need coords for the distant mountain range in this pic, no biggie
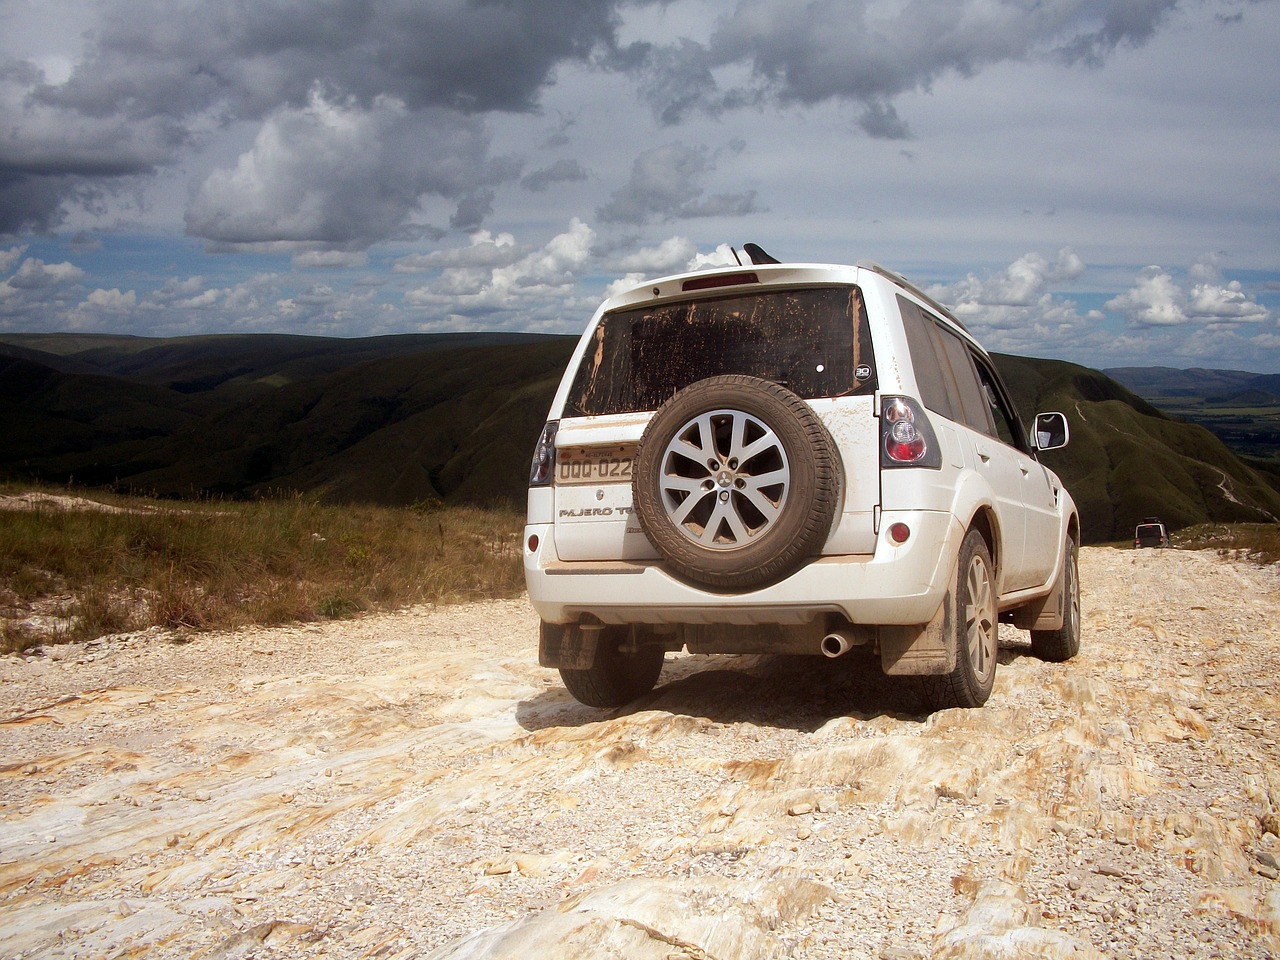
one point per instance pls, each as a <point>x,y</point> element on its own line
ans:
<point>1240,409</point>
<point>1217,387</point>
<point>453,417</point>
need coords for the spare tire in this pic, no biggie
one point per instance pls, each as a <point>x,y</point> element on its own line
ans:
<point>734,482</point>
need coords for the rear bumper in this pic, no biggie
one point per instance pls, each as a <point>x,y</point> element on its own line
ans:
<point>895,585</point>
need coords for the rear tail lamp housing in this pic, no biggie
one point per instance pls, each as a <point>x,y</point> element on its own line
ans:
<point>906,435</point>
<point>544,457</point>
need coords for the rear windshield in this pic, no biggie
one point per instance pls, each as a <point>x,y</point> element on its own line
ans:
<point>814,341</point>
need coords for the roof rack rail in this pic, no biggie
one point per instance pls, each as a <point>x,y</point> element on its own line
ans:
<point>907,284</point>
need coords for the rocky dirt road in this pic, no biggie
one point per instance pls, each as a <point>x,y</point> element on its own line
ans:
<point>414,785</point>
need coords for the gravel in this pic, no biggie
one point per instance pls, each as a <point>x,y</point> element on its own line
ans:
<point>414,785</point>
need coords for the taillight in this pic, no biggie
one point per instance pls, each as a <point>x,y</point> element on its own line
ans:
<point>544,457</point>
<point>906,436</point>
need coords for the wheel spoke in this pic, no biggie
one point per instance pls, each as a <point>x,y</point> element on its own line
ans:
<point>680,513</point>
<point>767,442</point>
<point>771,479</point>
<point>767,506</point>
<point>980,618</point>
<point>737,437</point>
<point>698,452</point>
<point>676,482</point>
<point>724,513</point>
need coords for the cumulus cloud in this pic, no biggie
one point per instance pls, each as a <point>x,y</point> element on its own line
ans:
<point>1154,300</point>
<point>673,255</point>
<point>38,287</point>
<point>549,271</point>
<point>484,251</point>
<point>665,184</point>
<point>37,275</point>
<point>10,257</point>
<point>1020,284</point>
<point>111,301</point>
<point>343,174</point>
<point>1225,303</point>
<point>721,256</point>
<point>670,256</point>
<point>1157,300</point>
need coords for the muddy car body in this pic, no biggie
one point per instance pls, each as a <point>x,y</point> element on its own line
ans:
<point>792,458</point>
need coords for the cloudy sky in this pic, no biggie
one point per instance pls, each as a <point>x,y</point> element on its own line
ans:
<point>1093,180</point>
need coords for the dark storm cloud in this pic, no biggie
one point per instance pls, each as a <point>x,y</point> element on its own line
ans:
<point>562,171</point>
<point>868,54</point>
<point>161,58</point>
<point>666,184</point>
<point>365,108</point>
<point>162,74</point>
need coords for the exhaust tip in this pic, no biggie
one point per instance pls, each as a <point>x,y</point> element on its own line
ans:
<point>836,645</point>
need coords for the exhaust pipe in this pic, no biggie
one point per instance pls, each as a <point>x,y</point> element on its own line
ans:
<point>837,643</point>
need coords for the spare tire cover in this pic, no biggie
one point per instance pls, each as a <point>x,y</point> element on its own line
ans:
<point>734,482</point>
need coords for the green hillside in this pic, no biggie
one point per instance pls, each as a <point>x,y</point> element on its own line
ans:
<point>399,420</point>
<point>452,418</point>
<point>1128,460</point>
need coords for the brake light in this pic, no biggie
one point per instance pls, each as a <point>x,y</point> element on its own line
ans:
<point>544,457</point>
<point>907,437</point>
<point>719,280</point>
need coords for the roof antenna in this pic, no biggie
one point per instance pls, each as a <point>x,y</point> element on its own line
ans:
<point>735,255</point>
<point>758,255</point>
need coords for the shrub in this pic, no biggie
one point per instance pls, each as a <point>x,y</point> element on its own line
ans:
<point>131,563</point>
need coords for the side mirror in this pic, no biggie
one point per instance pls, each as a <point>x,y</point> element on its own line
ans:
<point>1051,431</point>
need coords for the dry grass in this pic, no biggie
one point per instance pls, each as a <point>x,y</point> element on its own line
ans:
<point>1259,542</point>
<point>74,574</point>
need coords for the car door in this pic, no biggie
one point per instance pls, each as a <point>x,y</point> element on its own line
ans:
<point>1039,499</point>
<point>947,373</point>
<point>995,460</point>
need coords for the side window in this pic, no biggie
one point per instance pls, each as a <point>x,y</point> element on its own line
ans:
<point>933,374</point>
<point>1006,422</point>
<point>973,400</point>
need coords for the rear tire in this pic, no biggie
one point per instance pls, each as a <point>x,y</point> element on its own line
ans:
<point>616,677</point>
<point>735,483</point>
<point>976,623</point>
<point>1057,646</point>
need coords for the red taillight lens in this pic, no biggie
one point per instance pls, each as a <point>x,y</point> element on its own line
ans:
<point>903,443</point>
<point>544,457</point>
<point>899,533</point>
<point>907,437</point>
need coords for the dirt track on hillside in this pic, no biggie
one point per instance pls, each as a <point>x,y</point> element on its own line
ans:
<point>414,785</point>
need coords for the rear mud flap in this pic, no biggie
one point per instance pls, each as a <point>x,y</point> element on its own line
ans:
<point>922,649</point>
<point>567,646</point>
<point>1044,614</point>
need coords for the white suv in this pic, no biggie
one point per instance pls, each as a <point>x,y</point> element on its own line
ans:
<point>792,458</point>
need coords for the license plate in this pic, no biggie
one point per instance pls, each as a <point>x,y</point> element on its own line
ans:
<point>594,465</point>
